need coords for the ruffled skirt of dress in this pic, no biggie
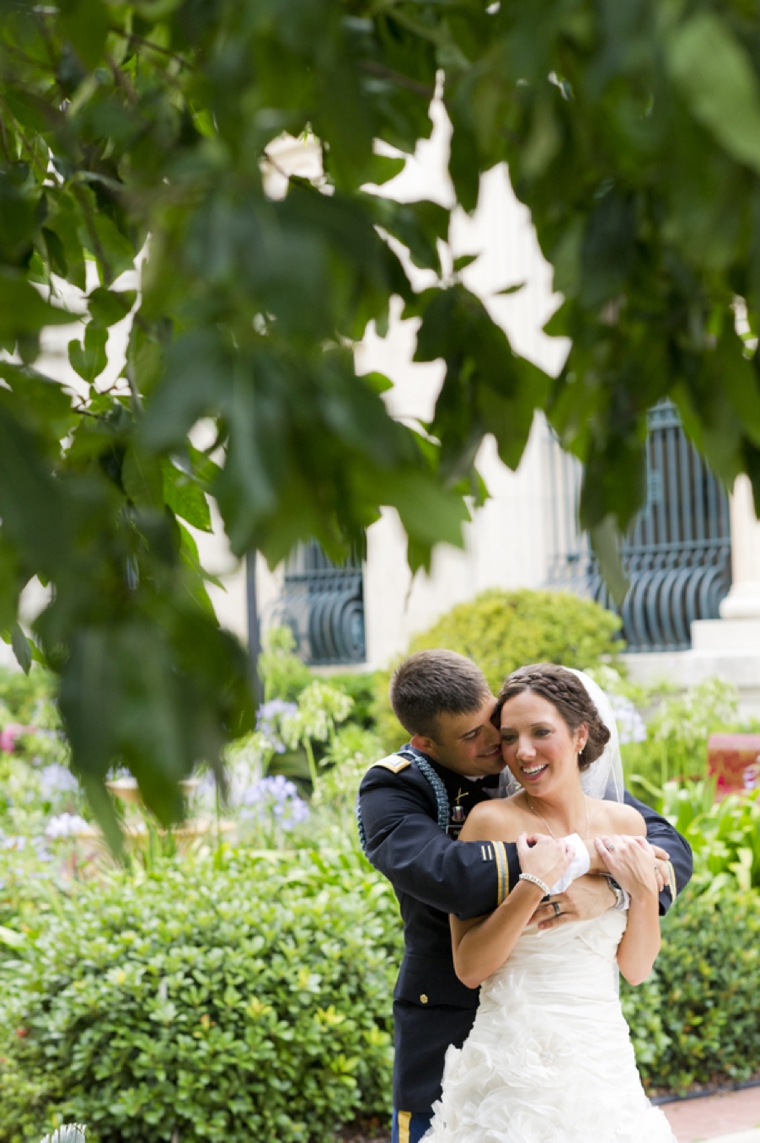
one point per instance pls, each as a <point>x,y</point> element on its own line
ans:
<point>549,1059</point>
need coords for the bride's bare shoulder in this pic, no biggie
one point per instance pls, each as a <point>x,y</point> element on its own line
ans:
<point>617,817</point>
<point>498,819</point>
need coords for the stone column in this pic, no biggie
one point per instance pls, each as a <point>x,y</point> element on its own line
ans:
<point>730,646</point>
<point>743,600</point>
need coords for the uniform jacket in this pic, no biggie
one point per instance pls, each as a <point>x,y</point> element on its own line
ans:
<point>402,825</point>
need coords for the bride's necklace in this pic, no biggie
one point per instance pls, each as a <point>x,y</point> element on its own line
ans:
<point>543,819</point>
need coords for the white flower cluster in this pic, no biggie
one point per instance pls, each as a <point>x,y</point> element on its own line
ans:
<point>630,724</point>
<point>65,825</point>
<point>320,708</point>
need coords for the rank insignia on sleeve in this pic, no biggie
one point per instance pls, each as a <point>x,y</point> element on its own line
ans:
<point>394,763</point>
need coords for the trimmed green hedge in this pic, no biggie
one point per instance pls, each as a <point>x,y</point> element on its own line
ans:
<point>696,1020</point>
<point>235,999</point>
<point>249,997</point>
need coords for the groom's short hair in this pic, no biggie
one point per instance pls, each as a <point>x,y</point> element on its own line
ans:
<point>435,682</point>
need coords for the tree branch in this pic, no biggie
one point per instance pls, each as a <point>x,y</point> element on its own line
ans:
<point>380,71</point>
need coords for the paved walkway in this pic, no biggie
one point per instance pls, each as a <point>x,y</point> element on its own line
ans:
<point>730,1118</point>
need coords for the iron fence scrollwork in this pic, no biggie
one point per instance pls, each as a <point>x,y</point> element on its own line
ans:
<point>323,604</point>
<point>677,554</point>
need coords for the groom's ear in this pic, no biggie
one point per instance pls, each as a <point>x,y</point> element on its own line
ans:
<point>423,744</point>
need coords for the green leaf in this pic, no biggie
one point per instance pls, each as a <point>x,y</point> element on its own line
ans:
<point>65,225</point>
<point>85,23</point>
<point>10,584</point>
<point>428,513</point>
<point>378,381</point>
<point>109,306</point>
<point>383,168</point>
<point>89,360</point>
<point>41,404</point>
<point>22,310</point>
<point>32,509</point>
<point>198,379</point>
<point>11,938</point>
<point>609,246</point>
<point>18,202</point>
<point>113,249</point>
<point>420,226</point>
<point>513,290</point>
<point>21,647</point>
<point>605,540</point>
<point>196,576</point>
<point>142,478</point>
<point>739,377</point>
<point>463,261</point>
<point>185,498</point>
<point>718,81</point>
<point>55,252</point>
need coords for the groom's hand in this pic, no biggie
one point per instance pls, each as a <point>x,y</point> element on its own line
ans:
<point>588,897</point>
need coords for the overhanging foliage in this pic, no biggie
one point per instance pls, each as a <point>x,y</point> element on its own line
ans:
<point>632,133</point>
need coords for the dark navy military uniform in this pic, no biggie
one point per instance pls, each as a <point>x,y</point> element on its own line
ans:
<point>411,810</point>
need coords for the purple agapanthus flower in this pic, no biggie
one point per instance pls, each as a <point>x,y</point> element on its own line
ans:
<point>270,714</point>
<point>275,796</point>
<point>57,779</point>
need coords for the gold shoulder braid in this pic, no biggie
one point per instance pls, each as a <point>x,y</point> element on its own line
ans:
<point>394,762</point>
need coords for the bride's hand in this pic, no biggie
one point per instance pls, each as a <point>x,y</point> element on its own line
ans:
<point>632,862</point>
<point>543,856</point>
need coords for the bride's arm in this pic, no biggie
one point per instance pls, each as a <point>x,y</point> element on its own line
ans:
<point>631,860</point>
<point>481,945</point>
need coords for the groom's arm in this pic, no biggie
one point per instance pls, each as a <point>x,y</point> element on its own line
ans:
<point>661,832</point>
<point>404,841</point>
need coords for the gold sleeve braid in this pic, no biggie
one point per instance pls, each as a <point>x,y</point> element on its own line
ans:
<point>502,872</point>
<point>672,885</point>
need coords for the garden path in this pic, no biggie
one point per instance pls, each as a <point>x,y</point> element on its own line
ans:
<point>733,1117</point>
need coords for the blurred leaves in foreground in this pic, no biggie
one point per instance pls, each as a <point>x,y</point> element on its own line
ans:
<point>140,131</point>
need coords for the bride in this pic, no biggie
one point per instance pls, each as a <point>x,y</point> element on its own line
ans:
<point>549,1058</point>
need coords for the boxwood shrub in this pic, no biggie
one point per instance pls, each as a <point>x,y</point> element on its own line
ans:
<point>237,998</point>
<point>248,997</point>
<point>696,1020</point>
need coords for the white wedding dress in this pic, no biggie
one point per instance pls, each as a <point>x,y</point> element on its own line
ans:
<point>549,1058</point>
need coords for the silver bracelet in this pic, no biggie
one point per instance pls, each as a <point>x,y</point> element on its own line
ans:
<point>535,881</point>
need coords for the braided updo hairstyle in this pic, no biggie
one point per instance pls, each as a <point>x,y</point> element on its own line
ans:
<point>567,694</point>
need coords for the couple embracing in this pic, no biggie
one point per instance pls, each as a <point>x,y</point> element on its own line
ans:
<point>527,878</point>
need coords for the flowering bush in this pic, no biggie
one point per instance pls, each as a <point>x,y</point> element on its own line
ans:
<point>274,807</point>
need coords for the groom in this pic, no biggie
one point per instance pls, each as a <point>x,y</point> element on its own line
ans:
<point>411,809</point>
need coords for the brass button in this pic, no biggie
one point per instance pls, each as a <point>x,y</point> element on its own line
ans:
<point>423,999</point>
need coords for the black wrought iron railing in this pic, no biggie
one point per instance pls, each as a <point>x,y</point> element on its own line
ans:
<point>677,554</point>
<point>323,604</point>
